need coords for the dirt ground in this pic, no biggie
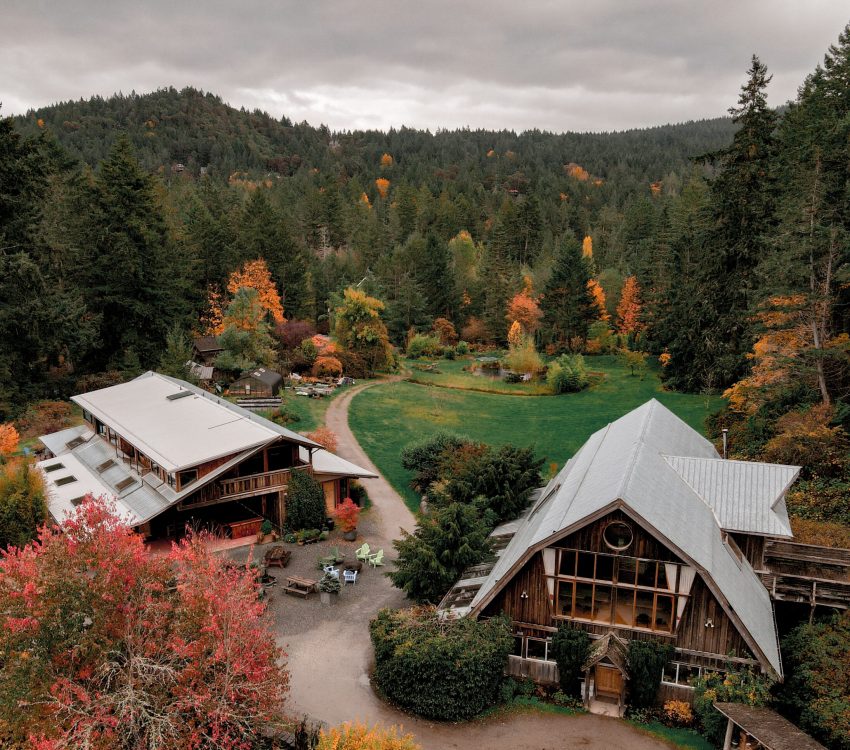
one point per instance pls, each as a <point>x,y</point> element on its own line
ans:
<point>329,654</point>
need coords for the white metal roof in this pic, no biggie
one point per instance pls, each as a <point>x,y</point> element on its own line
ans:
<point>181,432</point>
<point>325,462</point>
<point>85,482</point>
<point>624,465</point>
<point>744,495</point>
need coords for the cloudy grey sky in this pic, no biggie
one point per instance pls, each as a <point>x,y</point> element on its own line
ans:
<point>556,65</point>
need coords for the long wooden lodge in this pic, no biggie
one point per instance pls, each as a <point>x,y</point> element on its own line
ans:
<point>648,533</point>
<point>173,455</point>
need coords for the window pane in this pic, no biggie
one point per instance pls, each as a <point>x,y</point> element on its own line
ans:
<point>602,604</point>
<point>662,578</point>
<point>565,598</point>
<point>518,641</point>
<point>646,573</point>
<point>643,609</point>
<point>585,564</point>
<point>625,602</point>
<point>627,570</point>
<point>687,673</point>
<point>664,613</point>
<point>583,600</point>
<point>604,568</point>
<point>536,649</point>
<point>568,562</point>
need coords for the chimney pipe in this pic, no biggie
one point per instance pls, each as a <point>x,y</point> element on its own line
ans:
<point>725,432</point>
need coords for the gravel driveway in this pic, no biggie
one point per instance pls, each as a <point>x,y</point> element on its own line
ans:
<point>330,655</point>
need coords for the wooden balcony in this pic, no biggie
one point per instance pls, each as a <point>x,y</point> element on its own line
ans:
<point>806,573</point>
<point>255,484</point>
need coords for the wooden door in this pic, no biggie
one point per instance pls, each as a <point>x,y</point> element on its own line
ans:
<point>609,681</point>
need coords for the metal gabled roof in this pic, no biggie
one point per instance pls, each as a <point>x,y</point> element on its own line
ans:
<point>745,496</point>
<point>179,433</point>
<point>624,466</point>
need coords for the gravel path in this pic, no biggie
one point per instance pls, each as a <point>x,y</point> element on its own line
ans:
<point>330,655</point>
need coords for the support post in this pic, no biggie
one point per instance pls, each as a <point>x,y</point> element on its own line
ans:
<point>727,740</point>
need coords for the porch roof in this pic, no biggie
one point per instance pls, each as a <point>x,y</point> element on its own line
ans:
<point>771,730</point>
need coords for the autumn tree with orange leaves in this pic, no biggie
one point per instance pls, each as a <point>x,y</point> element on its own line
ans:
<point>8,440</point>
<point>523,309</point>
<point>629,310</point>
<point>383,186</point>
<point>598,294</point>
<point>254,274</point>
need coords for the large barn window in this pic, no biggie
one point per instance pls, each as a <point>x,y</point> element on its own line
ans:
<point>617,590</point>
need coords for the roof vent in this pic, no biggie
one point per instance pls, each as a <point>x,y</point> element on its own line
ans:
<point>179,394</point>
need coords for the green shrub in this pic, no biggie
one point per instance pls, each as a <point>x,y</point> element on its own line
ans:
<point>567,374</point>
<point>305,502</point>
<point>422,345</point>
<point>571,647</point>
<point>266,527</point>
<point>445,670</point>
<point>816,691</point>
<point>449,353</point>
<point>745,687</point>
<point>23,506</point>
<point>462,348</point>
<point>647,660</point>
<point>523,358</point>
<point>425,458</point>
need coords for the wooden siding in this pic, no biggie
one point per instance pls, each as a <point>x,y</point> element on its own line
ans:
<point>704,645</point>
<point>752,547</point>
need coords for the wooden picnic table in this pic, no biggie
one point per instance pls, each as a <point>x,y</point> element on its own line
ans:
<point>298,586</point>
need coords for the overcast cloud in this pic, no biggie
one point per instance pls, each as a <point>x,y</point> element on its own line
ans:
<point>592,65</point>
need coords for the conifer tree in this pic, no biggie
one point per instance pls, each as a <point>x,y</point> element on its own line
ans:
<point>568,305</point>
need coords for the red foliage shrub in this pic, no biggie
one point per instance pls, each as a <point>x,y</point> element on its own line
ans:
<point>475,331</point>
<point>106,645</point>
<point>291,333</point>
<point>324,437</point>
<point>347,513</point>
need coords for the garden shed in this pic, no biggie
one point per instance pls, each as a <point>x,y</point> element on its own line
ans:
<point>260,383</point>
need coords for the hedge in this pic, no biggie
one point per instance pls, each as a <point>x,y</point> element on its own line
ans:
<point>446,670</point>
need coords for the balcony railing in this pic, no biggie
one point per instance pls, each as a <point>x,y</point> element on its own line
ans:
<point>256,483</point>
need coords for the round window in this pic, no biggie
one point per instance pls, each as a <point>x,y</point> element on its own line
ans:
<point>617,535</point>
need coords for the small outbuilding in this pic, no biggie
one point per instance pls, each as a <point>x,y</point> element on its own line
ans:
<point>260,383</point>
<point>205,349</point>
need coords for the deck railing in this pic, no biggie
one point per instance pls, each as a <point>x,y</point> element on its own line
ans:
<point>256,483</point>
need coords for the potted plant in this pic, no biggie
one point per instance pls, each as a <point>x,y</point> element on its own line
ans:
<point>328,585</point>
<point>347,514</point>
<point>266,530</point>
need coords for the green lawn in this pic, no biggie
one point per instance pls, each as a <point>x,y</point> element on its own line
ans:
<point>687,739</point>
<point>388,417</point>
<point>452,375</point>
<point>310,411</point>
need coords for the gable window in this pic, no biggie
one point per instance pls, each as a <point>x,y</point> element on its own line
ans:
<point>618,536</point>
<point>617,590</point>
<point>187,477</point>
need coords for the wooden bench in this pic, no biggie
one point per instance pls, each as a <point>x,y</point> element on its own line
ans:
<point>300,586</point>
<point>277,555</point>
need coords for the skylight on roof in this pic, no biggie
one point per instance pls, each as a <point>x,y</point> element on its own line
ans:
<point>125,483</point>
<point>179,394</point>
<point>75,442</point>
<point>53,467</point>
<point>108,464</point>
<point>75,501</point>
<point>65,480</point>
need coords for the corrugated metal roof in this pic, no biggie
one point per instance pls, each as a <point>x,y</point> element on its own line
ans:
<point>624,465</point>
<point>57,442</point>
<point>184,432</point>
<point>742,494</point>
<point>325,462</point>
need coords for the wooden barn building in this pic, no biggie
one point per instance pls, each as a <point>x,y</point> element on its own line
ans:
<point>172,454</point>
<point>259,383</point>
<point>647,533</point>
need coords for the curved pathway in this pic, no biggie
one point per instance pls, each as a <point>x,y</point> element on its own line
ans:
<point>330,654</point>
<point>392,513</point>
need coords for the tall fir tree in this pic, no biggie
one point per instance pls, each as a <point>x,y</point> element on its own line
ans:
<point>568,305</point>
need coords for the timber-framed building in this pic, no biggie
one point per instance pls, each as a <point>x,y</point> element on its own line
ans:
<point>172,455</point>
<point>648,533</point>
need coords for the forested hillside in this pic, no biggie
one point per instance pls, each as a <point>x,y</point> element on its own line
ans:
<point>124,219</point>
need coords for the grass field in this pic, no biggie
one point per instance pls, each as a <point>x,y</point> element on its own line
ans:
<point>687,739</point>
<point>387,418</point>
<point>451,375</point>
